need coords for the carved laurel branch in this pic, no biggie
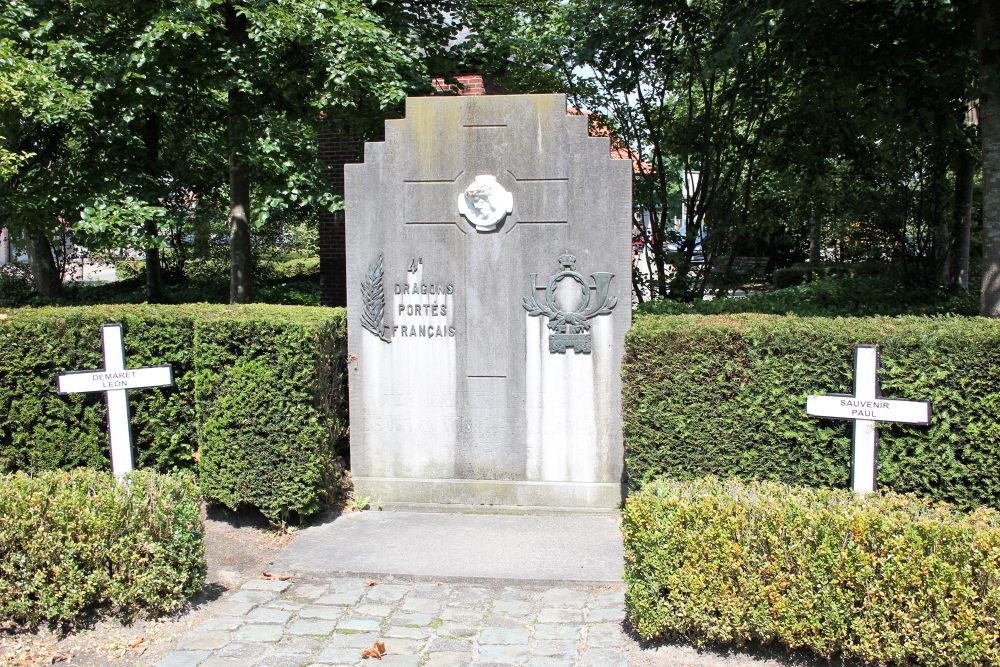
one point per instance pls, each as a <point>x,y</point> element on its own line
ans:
<point>373,299</point>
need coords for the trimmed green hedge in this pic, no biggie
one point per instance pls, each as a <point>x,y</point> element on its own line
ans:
<point>726,396</point>
<point>75,544</point>
<point>255,386</point>
<point>887,579</point>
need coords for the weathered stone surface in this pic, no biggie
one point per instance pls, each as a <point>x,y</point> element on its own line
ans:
<point>184,659</point>
<point>266,615</point>
<point>258,632</point>
<point>458,369</point>
<point>274,585</point>
<point>206,641</point>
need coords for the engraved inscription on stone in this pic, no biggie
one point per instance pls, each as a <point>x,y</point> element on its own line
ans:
<point>569,325</point>
<point>485,203</point>
<point>417,300</point>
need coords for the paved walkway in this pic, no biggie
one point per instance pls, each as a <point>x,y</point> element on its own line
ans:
<point>438,590</point>
<point>421,623</point>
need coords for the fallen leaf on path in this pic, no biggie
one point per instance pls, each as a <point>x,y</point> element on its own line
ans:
<point>135,642</point>
<point>277,577</point>
<point>59,657</point>
<point>376,651</point>
<point>373,582</point>
<point>139,650</point>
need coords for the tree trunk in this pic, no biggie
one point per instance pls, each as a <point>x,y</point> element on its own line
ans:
<point>989,127</point>
<point>940,225</point>
<point>154,274</point>
<point>44,273</point>
<point>240,279</point>
<point>202,234</point>
<point>241,259</point>
<point>815,235</point>
<point>961,235</point>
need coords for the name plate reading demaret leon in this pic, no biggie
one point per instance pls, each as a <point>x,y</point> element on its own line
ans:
<point>88,381</point>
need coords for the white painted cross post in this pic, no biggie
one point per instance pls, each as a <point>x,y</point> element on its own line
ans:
<point>115,380</point>
<point>866,407</point>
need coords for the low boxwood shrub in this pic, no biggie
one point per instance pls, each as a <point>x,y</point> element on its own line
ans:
<point>299,409</point>
<point>726,396</point>
<point>82,543</point>
<point>886,578</point>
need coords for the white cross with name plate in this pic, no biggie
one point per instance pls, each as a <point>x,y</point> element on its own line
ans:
<point>866,407</point>
<point>115,380</point>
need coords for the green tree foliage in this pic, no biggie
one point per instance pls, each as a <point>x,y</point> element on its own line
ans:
<point>133,113</point>
<point>837,125</point>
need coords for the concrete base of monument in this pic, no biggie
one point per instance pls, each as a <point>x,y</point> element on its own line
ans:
<point>491,493</point>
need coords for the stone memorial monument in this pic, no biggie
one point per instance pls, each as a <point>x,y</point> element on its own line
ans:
<point>489,279</point>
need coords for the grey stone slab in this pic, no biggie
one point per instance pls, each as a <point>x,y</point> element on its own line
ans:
<point>284,605</point>
<point>551,661</point>
<point>307,592</point>
<point>565,598</point>
<point>358,625</point>
<point>463,614</point>
<point>358,640</point>
<point>605,615</point>
<point>560,616</point>
<point>578,547</point>
<point>449,645</point>
<point>220,623</point>
<point>510,621</point>
<point>272,585</point>
<point>339,655</point>
<point>407,632</point>
<point>387,593</point>
<point>547,631</point>
<point>512,607</point>
<point>450,629</point>
<point>609,600</point>
<point>222,661</point>
<point>504,654</point>
<point>605,635</point>
<point>400,646</point>
<point>411,619</point>
<point>400,661</point>
<point>253,596</point>
<point>339,599</point>
<point>205,641</point>
<point>493,635</point>
<point>258,632</point>
<point>230,608</point>
<point>553,647</point>
<point>325,613</point>
<point>372,609</point>
<point>600,657</point>
<point>184,658</point>
<point>422,605</point>
<point>448,659</point>
<point>266,615</point>
<point>312,626</point>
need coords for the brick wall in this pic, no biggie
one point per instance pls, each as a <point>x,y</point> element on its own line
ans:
<point>335,150</point>
<point>472,84</point>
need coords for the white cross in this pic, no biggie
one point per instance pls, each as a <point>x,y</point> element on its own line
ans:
<point>115,380</point>
<point>866,407</point>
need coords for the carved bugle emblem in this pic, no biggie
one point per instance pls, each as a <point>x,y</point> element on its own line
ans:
<point>571,328</point>
<point>373,301</point>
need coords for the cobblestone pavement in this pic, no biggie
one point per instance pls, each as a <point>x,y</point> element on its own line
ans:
<point>426,624</point>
